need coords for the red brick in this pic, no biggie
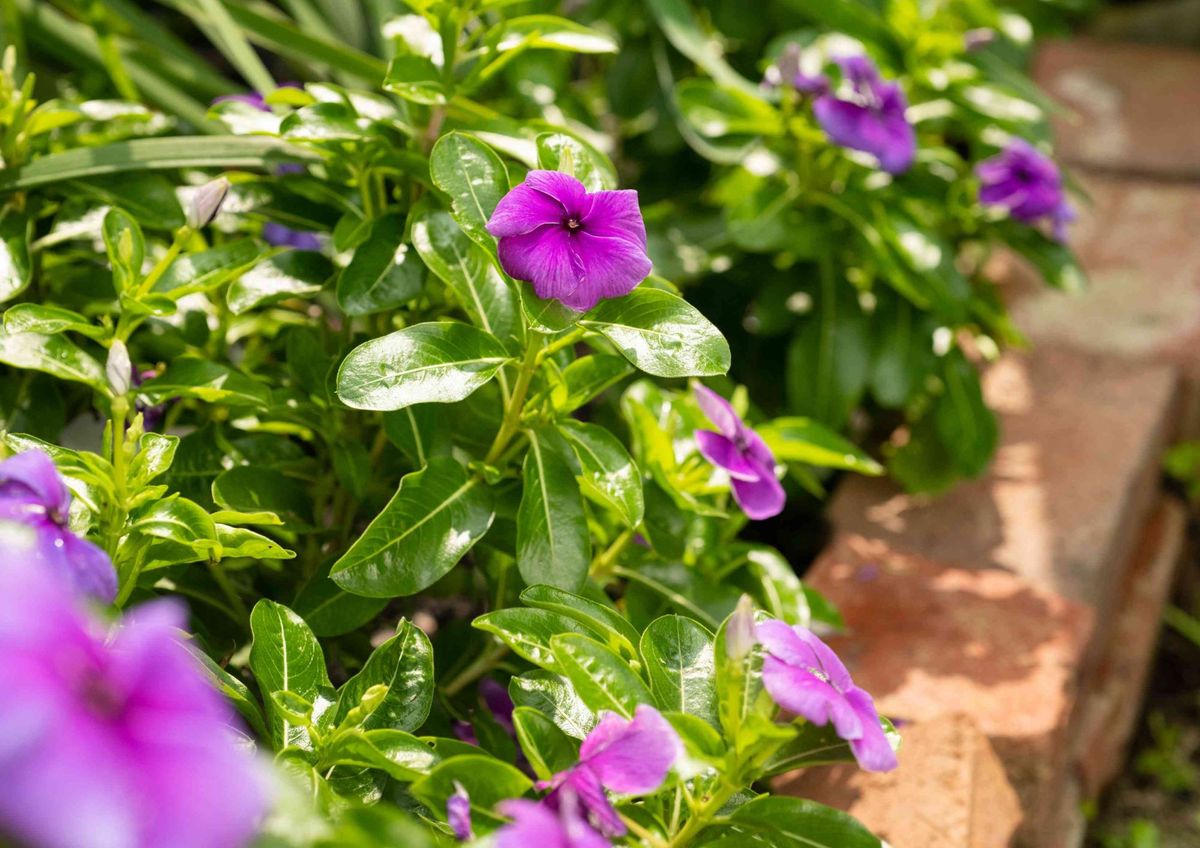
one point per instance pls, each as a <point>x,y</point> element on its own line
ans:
<point>930,640</point>
<point>950,790</point>
<point>1068,492</point>
<point>1130,108</point>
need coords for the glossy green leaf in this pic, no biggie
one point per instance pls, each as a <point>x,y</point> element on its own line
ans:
<point>555,33</point>
<point>54,355</point>
<point>48,320</point>
<point>155,454</point>
<point>249,488</point>
<point>147,197</point>
<point>553,543</point>
<point>602,679</point>
<point>585,378</point>
<point>547,748</point>
<point>661,334</point>
<point>401,755</point>
<point>439,362</point>
<point>244,542</point>
<point>681,28</point>
<point>608,475</point>
<point>404,664</point>
<point>284,655</point>
<point>416,79</point>
<point>208,381</point>
<point>603,621</point>
<point>527,632</point>
<point>474,177</point>
<point>435,517</point>
<point>588,165</point>
<point>805,440</point>
<point>177,519</point>
<point>209,268</point>
<point>237,692</point>
<point>552,696</point>
<point>126,247</point>
<point>488,781</point>
<point>292,273</point>
<point>679,660</point>
<point>967,426</point>
<point>800,823</point>
<point>322,122</point>
<point>384,273</point>
<point>16,267</point>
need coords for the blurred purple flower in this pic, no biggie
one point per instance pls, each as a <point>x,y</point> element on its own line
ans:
<point>871,118</point>
<point>573,246</point>
<point>113,740</point>
<point>804,676</point>
<point>254,98</point>
<point>281,236</point>
<point>787,71</point>
<point>152,413</point>
<point>626,756</point>
<point>741,452</point>
<point>32,493</point>
<point>1028,184</point>
<point>537,825</point>
<point>458,813</point>
<point>498,703</point>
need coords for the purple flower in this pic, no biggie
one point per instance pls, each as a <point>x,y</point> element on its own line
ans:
<point>537,825</point>
<point>626,756</point>
<point>572,246</point>
<point>458,813</point>
<point>805,677</point>
<point>742,453</point>
<point>870,118</point>
<point>32,493</point>
<point>254,98</point>
<point>498,703</point>
<point>153,414</point>
<point>281,236</point>
<point>113,740</point>
<point>787,70</point>
<point>1026,183</point>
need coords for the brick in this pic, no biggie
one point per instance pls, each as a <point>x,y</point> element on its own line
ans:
<point>1113,697</point>
<point>929,640</point>
<point>1072,483</point>
<point>1131,108</point>
<point>950,790</point>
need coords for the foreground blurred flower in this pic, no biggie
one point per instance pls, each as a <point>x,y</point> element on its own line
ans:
<point>458,813</point>
<point>32,493</point>
<point>536,825</point>
<point>869,117</point>
<point>788,71</point>
<point>741,452</point>
<point>573,246</point>
<point>804,676</point>
<point>113,741</point>
<point>1026,183</point>
<point>626,756</point>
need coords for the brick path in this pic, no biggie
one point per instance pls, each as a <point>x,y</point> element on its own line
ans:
<point>1011,623</point>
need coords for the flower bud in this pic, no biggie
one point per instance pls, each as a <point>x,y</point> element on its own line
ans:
<point>118,369</point>
<point>740,637</point>
<point>977,39</point>
<point>458,813</point>
<point>206,203</point>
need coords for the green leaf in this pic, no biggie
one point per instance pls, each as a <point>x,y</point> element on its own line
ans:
<point>474,177</point>
<point>401,755</point>
<point>716,112</point>
<point>588,165</point>
<point>967,426</point>
<point>404,664</point>
<point>148,197</point>
<point>191,377</point>
<point>661,334</point>
<point>740,693</point>
<point>252,488</point>
<point>678,654</point>
<point>602,679</point>
<point>603,621</point>
<point>587,377</point>
<point>681,28</point>
<point>435,517</point>
<point>555,33</point>
<point>243,542</point>
<point>284,655</point>
<point>547,748</point>
<point>126,247</point>
<point>527,632</point>
<point>800,823</point>
<point>384,273</point>
<point>281,36</point>
<point>209,268</point>
<point>48,320</point>
<point>805,440</point>
<point>322,122</point>
<point>828,360</point>
<point>53,355</point>
<point>439,362</point>
<point>609,476</point>
<point>553,696</point>
<point>818,745</point>
<point>488,781</point>
<point>292,273</point>
<point>154,457</point>
<point>178,520</point>
<point>16,268</point>
<point>553,543</point>
<point>417,431</point>
<point>237,692</point>
<point>416,79</point>
<point>469,272</point>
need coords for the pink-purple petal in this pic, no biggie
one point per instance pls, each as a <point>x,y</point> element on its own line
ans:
<point>33,473</point>
<point>616,214</point>
<point>544,258</point>
<point>719,411</point>
<point>523,210</point>
<point>564,188</point>
<point>871,749</point>
<point>632,757</point>
<point>612,267</point>
<point>723,453</point>
<point>85,564</point>
<point>760,499</point>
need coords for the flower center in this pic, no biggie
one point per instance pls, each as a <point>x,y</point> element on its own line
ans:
<point>823,676</point>
<point>574,224</point>
<point>100,696</point>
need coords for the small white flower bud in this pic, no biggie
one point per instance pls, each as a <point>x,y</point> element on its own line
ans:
<point>740,637</point>
<point>118,369</point>
<point>206,203</point>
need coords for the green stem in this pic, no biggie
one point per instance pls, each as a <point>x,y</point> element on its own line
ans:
<point>696,823</point>
<point>160,268</point>
<point>602,564</point>
<point>559,343</point>
<point>481,665</point>
<point>512,413</point>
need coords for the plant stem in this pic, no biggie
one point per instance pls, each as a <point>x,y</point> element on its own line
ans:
<point>512,413</point>
<point>160,268</point>
<point>559,343</point>
<point>480,666</point>
<point>702,817</point>
<point>602,565</point>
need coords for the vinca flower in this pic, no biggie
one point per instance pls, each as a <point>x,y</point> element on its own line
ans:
<point>743,454</point>
<point>458,813</point>
<point>626,756</point>
<point>113,740</point>
<point>32,493</point>
<point>870,116</point>
<point>537,825</point>
<point>573,246</point>
<point>1026,183</point>
<point>804,676</point>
